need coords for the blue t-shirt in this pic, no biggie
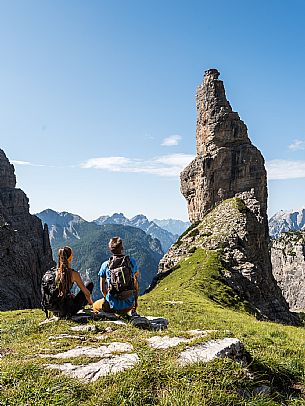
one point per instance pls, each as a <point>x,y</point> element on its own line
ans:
<point>117,304</point>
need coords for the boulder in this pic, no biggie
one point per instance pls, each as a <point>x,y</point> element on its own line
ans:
<point>91,372</point>
<point>205,352</point>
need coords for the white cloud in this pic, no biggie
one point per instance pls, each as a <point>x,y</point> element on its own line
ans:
<point>112,163</point>
<point>282,169</point>
<point>21,162</point>
<point>164,165</point>
<point>297,145</point>
<point>171,140</point>
<point>24,163</point>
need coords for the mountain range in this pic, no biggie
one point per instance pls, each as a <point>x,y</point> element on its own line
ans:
<point>89,241</point>
<point>167,238</point>
<point>288,220</point>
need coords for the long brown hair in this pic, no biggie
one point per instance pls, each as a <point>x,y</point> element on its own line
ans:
<point>63,272</point>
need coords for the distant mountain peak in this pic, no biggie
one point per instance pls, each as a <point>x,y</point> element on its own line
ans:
<point>287,220</point>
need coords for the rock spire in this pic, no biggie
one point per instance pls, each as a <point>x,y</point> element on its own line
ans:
<point>227,164</point>
<point>226,190</point>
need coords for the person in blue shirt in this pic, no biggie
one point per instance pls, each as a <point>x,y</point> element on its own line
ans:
<point>110,302</point>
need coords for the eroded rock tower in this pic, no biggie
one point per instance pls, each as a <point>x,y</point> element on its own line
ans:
<point>226,190</point>
<point>227,164</point>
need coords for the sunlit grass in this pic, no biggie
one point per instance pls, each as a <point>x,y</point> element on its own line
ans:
<point>192,297</point>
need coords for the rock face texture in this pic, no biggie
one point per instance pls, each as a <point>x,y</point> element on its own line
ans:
<point>288,266</point>
<point>232,230</point>
<point>226,191</point>
<point>227,164</point>
<point>25,252</point>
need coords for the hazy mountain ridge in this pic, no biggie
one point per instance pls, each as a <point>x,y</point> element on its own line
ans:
<point>287,220</point>
<point>150,227</point>
<point>172,225</point>
<point>90,244</point>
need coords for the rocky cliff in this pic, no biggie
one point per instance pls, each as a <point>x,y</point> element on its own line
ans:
<point>288,266</point>
<point>232,230</point>
<point>226,191</point>
<point>25,252</point>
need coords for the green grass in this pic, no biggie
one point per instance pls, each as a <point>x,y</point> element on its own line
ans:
<point>276,352</point>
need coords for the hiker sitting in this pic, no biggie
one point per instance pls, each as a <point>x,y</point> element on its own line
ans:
<point>118,281</point>
<point>58,298</point>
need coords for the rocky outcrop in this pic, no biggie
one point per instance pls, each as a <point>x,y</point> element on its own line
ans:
<point>233,231</point>
<point>227,164</point>
<point>226,191</point>
<point>288,266</point>
<point>25,252</point>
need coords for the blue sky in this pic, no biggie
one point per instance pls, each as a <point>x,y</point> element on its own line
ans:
<point>97,98</point>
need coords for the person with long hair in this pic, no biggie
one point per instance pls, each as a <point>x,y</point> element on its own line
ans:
<point>65,277</point>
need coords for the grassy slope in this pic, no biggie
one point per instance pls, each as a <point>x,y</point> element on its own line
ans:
<point>277,352</point>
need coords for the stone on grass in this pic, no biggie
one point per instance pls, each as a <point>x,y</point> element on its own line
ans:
<point>166,342</point>
<point>91,372</point>
<point>205,352</point>
<point>68,336</point>
<point>200,333</point>
<point>50,320</point>
<point>101,351</point>
<point>84,328</point>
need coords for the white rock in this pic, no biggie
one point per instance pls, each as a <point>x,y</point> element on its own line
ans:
<point>166,341</point>
<point>200,332</point>
<point>101,351</point>
<point>84,328</point>
<point>205,352</point>
<point>69,336</point>
<point>91,372</point>
<point>50,320</point>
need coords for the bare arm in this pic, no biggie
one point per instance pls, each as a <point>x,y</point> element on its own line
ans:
<point>78,280</point>
<point>136,283</point>
<point>103,286</point>
<point>136,289</point>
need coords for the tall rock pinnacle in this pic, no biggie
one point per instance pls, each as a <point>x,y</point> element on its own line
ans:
<point>227,164</point>
<point>228,175</point>
<point>25,252</point>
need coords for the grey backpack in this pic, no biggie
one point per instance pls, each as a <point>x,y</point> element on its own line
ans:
<point>121,279</point>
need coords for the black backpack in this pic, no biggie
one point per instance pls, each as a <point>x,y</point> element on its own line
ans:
<point>121,284</point>
<point>50,299</point>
